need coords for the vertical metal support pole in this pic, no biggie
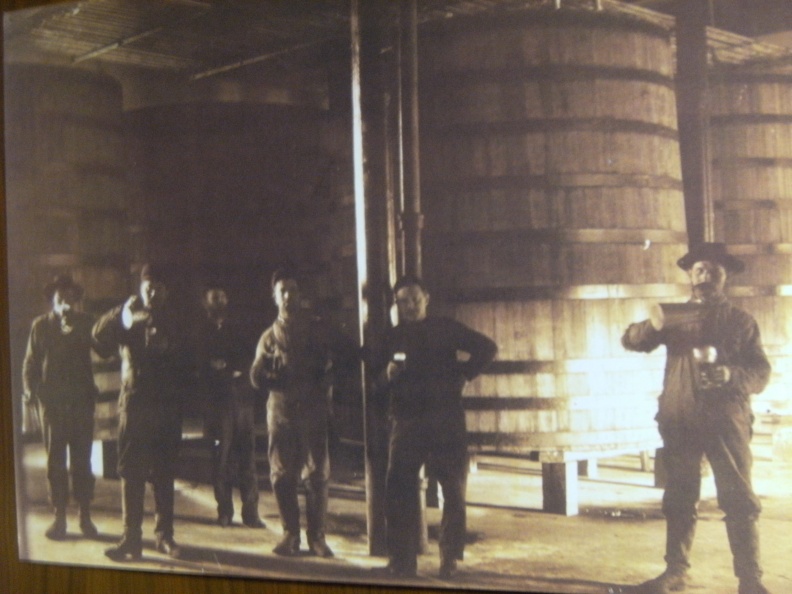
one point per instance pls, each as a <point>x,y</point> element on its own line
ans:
<point>411,216</point>
<point>368,167</point>
<point>692,86</point>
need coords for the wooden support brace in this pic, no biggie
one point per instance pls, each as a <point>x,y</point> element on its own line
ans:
<point>560,488</point>
<point>646,461</point>
<point>660,473</point>
<point>588,468</point>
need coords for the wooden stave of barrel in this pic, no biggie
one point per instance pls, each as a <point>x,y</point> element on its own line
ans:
<point>751,171</point>
<point>518,176</point>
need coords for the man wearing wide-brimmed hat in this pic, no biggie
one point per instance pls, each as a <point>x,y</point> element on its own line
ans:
<point>715,362</point>
<point>155,368</point>
<point>57,375</point>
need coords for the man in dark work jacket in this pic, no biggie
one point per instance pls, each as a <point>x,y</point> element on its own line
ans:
<point>706,410</point>
<point>154,370</point>
<point>223,364</point>
<point>58,377</point>
<point>418,366</point>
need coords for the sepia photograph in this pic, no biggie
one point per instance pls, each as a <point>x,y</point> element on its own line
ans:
<point>436,295</point>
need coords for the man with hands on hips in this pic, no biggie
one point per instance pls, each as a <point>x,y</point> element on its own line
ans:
<point>419,368</point>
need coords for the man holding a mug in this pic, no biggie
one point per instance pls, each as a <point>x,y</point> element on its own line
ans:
<point>420,367</point>
<point>715,362</point>
<point>295,363</point>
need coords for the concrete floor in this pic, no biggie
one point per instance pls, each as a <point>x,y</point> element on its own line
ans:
<point>615,542</point>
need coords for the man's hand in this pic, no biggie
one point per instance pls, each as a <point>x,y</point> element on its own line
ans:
<point>715,376</point>
<point>133,314</point>
<point>394,370</point>
<point>217,364</point>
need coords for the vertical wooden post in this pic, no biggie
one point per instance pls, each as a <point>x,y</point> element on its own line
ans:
<point>410,217</point>
<point>369,170</point>
<point>560,488</point>
<point>691,41</point>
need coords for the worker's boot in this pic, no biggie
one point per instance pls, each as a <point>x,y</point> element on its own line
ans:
<point>286,498</point>
<point>673,579</point>
<point>57,530</point>
<point>130,547</point>
<point>87,527</point>
<point>744,542</point>
<point>752,585</point>
<point>316,513</point>
<point>679,542</point>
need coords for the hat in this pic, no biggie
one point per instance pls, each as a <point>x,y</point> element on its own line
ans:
<point>62,282</point>
<point>152,272</point>
<point>712,252</point>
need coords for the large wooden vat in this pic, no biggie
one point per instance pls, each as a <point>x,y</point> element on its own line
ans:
<point>751,148</point>
<point>68,195</point>
<point>554,213</point>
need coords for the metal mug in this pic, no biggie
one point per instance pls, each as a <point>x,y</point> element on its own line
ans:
<point>705,358</point>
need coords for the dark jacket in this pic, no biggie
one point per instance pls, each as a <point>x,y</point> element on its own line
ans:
<point>57,367</point>
<point>433,375</point>
<point>735,335</point>
<point>223,358</point>
<point>155,364</point>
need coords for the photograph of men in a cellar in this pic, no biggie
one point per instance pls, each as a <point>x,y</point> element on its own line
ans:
<point>539,165</point>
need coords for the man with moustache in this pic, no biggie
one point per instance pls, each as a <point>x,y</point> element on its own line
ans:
<point>58,377</point>
<point>295,361</point>
<point>420,368</point>
<point>154,371</point>
<point>223,366</point>
<point>705,409</point>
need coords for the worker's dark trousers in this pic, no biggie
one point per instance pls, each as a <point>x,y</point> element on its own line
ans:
<point>234,454</point>
<point>297,452</point>
<point>723,434</point>
<point>69,428</point>
<point>439,441</point>
<point>148,445</point>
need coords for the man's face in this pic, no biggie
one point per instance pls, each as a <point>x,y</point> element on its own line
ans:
<point>153,293</point>
<point>412,301</point>
<point>64,302</point>
<point>707,279</point>
<point>286,294</point>
<point>216,302</point>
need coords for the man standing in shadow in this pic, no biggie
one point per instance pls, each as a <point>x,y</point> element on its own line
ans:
<point>58,377</point>
<point>155,370</point>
